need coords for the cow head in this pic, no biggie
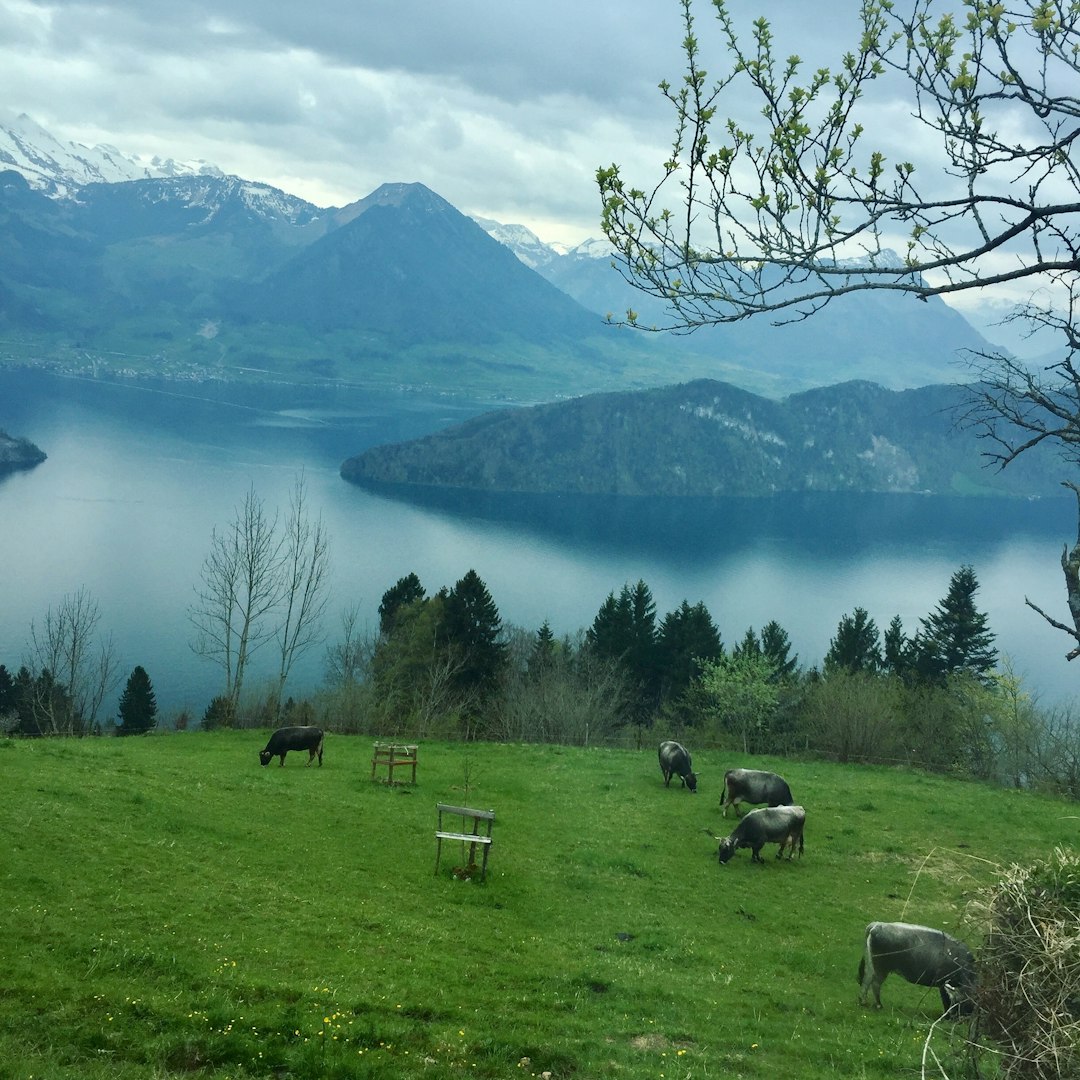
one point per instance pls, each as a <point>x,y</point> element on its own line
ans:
<point>726,849</point>
<point>690,779</point>
<point>264,757</point>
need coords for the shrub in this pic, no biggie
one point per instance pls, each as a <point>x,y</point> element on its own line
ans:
<point>1029,969</point>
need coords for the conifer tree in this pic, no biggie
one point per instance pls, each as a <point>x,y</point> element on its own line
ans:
<point>543,650</point>
<point>138,705</point>
<point>776,648</point>
<point>857,645</point>
<point>404,591</point>
<point>956,636</point>
<point>898,652</point>
<point>472,627</point>
<point>686,637</point>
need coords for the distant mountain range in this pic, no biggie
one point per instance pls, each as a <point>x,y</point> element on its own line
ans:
<point>153,266</point>
<point>708,438</point>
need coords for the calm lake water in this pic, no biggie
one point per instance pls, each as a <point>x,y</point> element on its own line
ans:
<point>138,476</point>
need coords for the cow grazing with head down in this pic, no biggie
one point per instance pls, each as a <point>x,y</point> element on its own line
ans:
<point>754,786</point>
<point>923,956</point>
<point>781,825</point>
<point>675,760</point>
<point>293,738</point>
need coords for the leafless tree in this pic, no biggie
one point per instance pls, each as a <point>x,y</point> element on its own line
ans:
<point>241,587</point>
<point>305,569</point>
<point>82,666</point>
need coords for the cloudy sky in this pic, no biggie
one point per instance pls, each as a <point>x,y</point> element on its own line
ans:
<point>504,109</point>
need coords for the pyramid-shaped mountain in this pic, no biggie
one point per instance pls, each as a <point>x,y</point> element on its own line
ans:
<point>405,263</point>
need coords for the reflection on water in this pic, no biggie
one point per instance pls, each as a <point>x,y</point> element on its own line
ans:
<point>138,477</point>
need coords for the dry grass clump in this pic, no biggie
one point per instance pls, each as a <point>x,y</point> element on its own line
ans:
<point>1029,969</point>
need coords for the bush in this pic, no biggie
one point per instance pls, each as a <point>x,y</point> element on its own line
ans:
<point>1029,969</point>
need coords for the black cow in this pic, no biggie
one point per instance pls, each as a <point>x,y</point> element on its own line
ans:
<point>781,825</point>
<point>923,956</point>
<point>675,759</point>
<point>754,786</point>
<point>293,738</point>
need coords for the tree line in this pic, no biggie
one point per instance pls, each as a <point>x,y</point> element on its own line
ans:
<point>446,665</point>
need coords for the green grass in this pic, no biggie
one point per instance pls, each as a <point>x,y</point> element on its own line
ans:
<point>173,910</point>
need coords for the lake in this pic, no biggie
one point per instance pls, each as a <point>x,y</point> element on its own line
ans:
<point>138,475</point>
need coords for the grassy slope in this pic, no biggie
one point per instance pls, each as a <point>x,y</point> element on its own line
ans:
<point>174,910</point>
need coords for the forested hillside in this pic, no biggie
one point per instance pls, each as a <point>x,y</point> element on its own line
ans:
<point>708,438</point>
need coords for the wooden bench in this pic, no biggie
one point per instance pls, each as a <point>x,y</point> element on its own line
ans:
<point>392,756</point>
<point>479,819</point>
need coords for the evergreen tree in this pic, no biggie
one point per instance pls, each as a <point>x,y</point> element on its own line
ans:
<point>624,630</point>
<point>956,637</point>
<point>686,637</point>
<point>8,700</point>
<point>472,628</point>
<point>899,650</point>
<point>405,591</point>
<point>543,650</point>
<point>776,648</point>
<point>749,648</point>
<point>611,633</point>
<point>857,645</point>
<point>138,705</point>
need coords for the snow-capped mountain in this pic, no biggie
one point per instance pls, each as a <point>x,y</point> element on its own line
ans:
<point>534,252</point>
<point>58,168</point>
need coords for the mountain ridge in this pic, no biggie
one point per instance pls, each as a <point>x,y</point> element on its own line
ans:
<point>199,273</point>
<point>707,438</point>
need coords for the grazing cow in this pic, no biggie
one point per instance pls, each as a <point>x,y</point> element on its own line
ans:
<point>675,758</point>
<point>754,786</point>
<point>781,825</point>
<point>921,955</point>
<point>293,738</point>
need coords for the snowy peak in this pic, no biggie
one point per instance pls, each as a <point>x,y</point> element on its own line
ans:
<point>60,168</point>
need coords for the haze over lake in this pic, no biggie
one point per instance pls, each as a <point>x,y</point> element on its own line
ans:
<point>138,475</point>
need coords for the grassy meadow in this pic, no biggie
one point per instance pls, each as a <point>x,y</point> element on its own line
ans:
<point>171,909</point>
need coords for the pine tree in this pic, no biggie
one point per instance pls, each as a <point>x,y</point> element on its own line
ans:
<point>686,637</point>
<point>404,591</point>
<point>138,706</point>
<point>776,648</point>
<point>624,630</point>
<point>543,650</point>
<point>956,637</point>
<point>8,700</point>
<point>472,627</point>
<point>857,645</point>
<point>899,650</point>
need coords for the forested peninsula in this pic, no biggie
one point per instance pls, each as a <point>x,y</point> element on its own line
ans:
<point>18,454</point>
<point>710,438</point>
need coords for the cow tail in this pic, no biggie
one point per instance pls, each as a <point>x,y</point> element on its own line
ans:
<point>862,969</point>
<point>800,845</point>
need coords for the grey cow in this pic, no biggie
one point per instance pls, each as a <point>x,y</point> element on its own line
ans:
<point>754,786</point>
<point>293,738</point>
<point>675,761</point>
<point>781,825</point>
<point>922,955</point>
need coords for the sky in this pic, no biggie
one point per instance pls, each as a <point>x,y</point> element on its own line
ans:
<point>504,109</point>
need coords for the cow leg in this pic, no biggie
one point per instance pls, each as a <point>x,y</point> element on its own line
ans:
<point>283,757</point>
<point>869,978</point>
<point>756,856</point>
<point>310,758</point>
